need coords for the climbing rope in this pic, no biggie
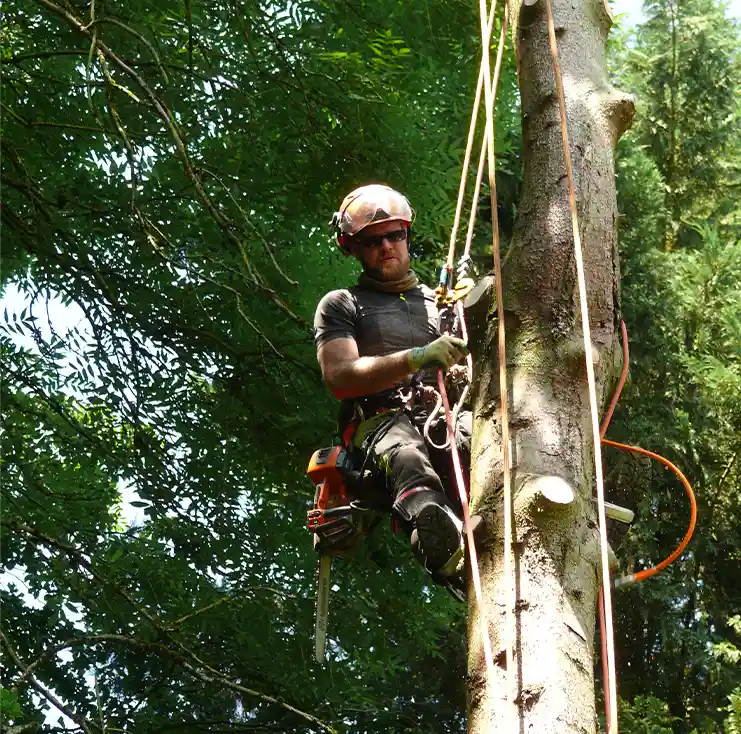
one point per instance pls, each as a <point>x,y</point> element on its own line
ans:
<point>611,692</point>
<point>508,570</point>
<point>484,144</point>
<point>470,140</point>
<point>487,150</point>
<point>467,155</point>
<point>445,277</point>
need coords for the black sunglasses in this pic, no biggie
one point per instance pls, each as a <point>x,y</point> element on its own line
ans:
<point>370,242</point>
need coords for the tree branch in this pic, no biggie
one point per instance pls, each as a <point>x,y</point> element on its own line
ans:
<point>166,116</point>
<point>136,34</point>
<point>20,58</point>
<point>81,721</point>
<point>208,675</point>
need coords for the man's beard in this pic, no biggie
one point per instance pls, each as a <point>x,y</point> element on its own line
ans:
<point>377,273</point>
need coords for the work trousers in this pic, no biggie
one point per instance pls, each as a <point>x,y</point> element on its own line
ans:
<point>399,457</point>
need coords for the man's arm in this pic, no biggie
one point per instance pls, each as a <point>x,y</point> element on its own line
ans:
<point>350,376</point>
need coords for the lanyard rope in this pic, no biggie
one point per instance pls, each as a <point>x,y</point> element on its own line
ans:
<point>509,581</point>
<point>472,555</point>
<point>484,81</point>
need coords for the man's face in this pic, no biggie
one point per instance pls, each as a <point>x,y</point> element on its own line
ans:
<point>381,257</point>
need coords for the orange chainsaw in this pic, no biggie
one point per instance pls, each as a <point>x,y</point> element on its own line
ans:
<point>337,520</point>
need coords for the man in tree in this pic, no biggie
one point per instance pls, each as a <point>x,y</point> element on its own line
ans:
<point>378,344</point>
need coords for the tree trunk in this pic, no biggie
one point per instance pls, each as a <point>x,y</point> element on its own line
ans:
<point>557,565</point>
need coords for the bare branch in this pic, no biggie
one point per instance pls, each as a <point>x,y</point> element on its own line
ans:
<point>138,35</point>
<point>179,622</point>
<point>206,675</point>
<point>81,721</point>
<point>20,58</point>
<point>130,155</point>
<point>226,226</point>
<point>249,222</point>
<point>63,125</point>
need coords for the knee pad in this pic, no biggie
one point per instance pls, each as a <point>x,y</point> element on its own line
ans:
<point>409,503</point>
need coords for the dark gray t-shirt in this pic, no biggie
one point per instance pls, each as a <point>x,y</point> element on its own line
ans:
<point>380,323</point>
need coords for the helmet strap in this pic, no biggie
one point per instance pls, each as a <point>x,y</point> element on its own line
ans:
<point>343,243</point>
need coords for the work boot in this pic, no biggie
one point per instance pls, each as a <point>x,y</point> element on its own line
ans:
<point>436,537</point>
<point>457,583</point>
<point>437,540</point>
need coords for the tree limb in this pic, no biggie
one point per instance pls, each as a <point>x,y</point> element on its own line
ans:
<point>207,675</point>
<point>81,721</point>
<point>166,116</point>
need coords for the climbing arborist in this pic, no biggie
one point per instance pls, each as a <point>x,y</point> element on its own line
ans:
<point>379,346</point>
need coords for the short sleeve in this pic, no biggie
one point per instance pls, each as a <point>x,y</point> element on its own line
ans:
<point>335,317</point>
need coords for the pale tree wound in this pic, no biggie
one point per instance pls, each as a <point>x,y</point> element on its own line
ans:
<point>557,558</point>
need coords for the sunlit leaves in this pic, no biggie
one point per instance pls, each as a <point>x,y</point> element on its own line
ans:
<point>155,452</point>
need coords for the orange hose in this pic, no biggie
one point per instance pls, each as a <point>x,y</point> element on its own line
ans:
<point>621,382</point>
<point>647,573</point>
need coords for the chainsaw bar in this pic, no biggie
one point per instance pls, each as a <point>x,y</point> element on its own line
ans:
<point>322,607</point>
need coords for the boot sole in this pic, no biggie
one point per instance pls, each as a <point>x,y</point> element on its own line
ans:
<point>439,540</point>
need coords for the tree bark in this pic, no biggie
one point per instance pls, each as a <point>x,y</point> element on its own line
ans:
<point>557,564</point>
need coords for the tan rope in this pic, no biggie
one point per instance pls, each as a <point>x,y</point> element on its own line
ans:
<point>510,592</point>
<point>473,556</point>
<point>484,143</point>
<point>476,191</point>
<point>612,724</point>
<point>490,88</point>
<point>467,157</point>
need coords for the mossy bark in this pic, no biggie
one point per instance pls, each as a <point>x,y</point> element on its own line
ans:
<point>557,566</point>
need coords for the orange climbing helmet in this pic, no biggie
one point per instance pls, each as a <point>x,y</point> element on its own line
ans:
<point>369,205</point>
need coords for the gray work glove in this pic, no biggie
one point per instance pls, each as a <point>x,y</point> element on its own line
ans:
<point>444,352</point>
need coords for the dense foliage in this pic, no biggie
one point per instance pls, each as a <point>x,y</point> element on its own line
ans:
<point>168,170</point>
<point>679,172</point>
<point>172,187</point>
